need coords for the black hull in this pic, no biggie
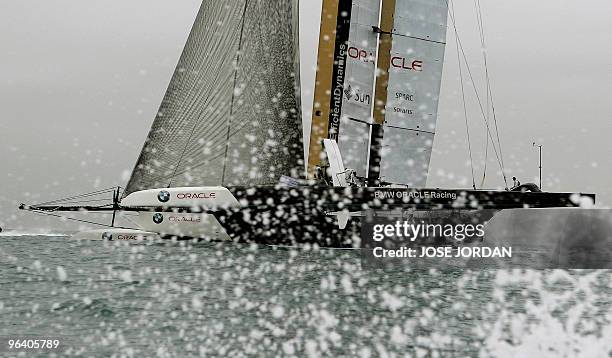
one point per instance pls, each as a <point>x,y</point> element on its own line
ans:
<point>299,216</point>
<point>383,198</point>
<point>308,214</point>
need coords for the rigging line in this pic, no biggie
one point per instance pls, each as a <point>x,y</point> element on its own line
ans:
<point>86,201</point>
<point>82,201</point>
<point>490,91</point>
<point>497,131</point>
<point>95,193</point>
<point>490,100</point>
<point>486,161</point>
<point>99,192</point>
<point>467,126</point>
<point>57,208</point>
<point>483,50</point>
<point>123,214</point>
<point>480,23</point>
<point>480,104</point>
<point>78,220</point>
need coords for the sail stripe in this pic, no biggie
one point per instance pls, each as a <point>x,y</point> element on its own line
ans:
<point>343,28</point>
<point>322,95</point>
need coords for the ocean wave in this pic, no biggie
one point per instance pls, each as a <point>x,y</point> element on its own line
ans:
<point>31,234</point>
<point>96,307</point>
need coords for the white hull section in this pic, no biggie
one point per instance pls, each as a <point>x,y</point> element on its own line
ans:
<point>116,235</point>
<point>200,197</point>
<point>191,225</point>
<point>199,226</point>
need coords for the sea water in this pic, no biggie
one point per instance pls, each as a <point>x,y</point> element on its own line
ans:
<point>181,299</point>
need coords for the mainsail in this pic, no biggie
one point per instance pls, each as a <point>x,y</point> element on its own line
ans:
<point>231,114</point>
<point>358,97</point>
<point>395,48</point>
<point>412,88</point>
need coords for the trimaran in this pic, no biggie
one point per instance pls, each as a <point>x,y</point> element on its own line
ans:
<point>224,158</point>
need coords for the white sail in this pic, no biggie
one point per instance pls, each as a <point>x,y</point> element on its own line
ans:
<point>356,117</point>
<point>385,131</point>
<point>231,114</point>
<point>346,70</point>
<point>415,73</point>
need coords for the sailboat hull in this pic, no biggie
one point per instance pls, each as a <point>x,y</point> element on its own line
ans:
<point>314,215</point>
<point>182,225</point>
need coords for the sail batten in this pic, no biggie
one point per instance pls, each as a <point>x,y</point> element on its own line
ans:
<point>231,114</point>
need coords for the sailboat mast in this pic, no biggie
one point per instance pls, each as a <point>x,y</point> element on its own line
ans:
<point>383,63</point>
<point>116,206</point>
<point>344,88</point>
<point>331,71</point>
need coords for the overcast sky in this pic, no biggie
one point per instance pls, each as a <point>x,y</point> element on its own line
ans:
<point>81,81</point>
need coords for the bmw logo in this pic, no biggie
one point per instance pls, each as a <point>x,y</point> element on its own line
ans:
<point>163,196</point>
<point>158,218</point>
<point>107,236</point>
